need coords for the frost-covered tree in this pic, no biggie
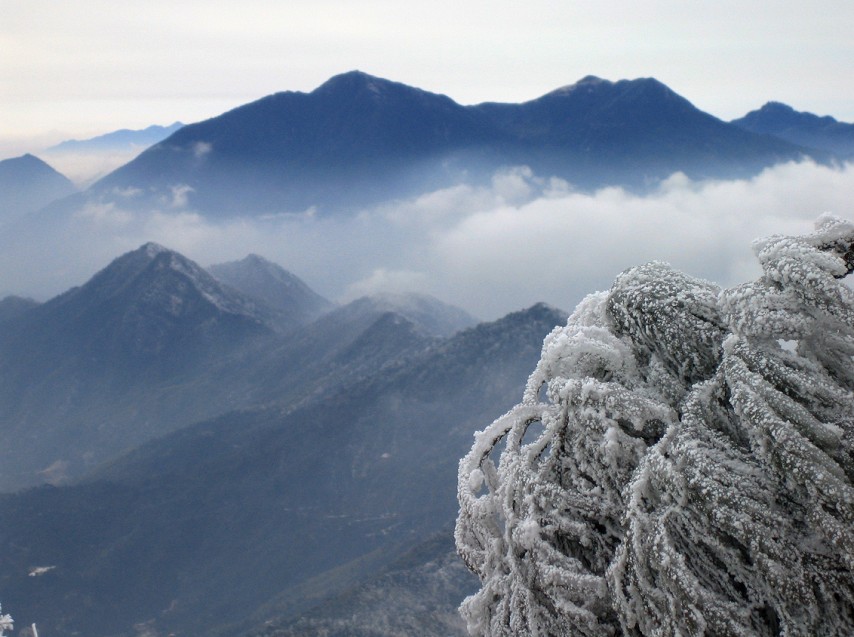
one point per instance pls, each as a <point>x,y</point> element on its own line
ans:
<point>682,461</point>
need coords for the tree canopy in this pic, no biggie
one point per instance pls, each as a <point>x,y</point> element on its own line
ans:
<point>682,460</point>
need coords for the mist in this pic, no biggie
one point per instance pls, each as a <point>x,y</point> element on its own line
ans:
<point>490,249</point>
<point>83,168</point>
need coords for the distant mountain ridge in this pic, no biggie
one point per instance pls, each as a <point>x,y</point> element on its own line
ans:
<point>257,508</point>
<point>258,278</point>
<point>123,139</point>
<point>358,139</point>
<point>436,317</point>
<point>26,184</point>
<point>102,352</point>
<point>805,129</point>
<point>153,342</point>
<point>85,161</point>
<point>151,299</point>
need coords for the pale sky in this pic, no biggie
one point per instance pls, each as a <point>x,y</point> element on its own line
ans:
<point>79,68</point>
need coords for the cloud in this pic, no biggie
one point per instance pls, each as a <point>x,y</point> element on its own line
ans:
<point>180,195</point>
<point>521,239</point>
<point>382,280</point>
<point>200,149</point>
<point>561,244</point>
<point>104,214</point>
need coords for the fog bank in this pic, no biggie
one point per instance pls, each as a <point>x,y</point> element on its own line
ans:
<point>491,250</point>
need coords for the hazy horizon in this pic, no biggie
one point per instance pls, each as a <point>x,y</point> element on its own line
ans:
<point>76,71</point>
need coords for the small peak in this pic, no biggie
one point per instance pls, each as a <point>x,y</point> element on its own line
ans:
<point>542,306</point>
<point>152,249</point>
<point>27,159</point>
<point>358,83</point>
<point>355,74</point>
<point>538,311</point>
<point>777,107</point>
<point>350,79</point>
<point>256,259</point>
<point>587,82</point>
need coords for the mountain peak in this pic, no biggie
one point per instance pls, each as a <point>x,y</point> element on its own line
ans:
<point>136,261</point>
<point>800,127</point>
<point>773,116</point>
<point>14,306</point>
<point>27,161</point>
<point>776,107</point>
<point>152,249</point>
<point>268,282</point>
<point>28,183</point>
<point>358,81</point>
<point>588,81</point>
<point>593,84</point>
<point>147,306</point>
<point>352,76</point>
<point>164,281</point>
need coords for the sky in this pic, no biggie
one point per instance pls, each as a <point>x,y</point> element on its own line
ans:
<point>84,67</point>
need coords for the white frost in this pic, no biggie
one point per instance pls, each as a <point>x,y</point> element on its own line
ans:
<point>695,470</point>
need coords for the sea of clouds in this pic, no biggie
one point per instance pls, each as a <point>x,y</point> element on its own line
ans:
<point>490,249</point>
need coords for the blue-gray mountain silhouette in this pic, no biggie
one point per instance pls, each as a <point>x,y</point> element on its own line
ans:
<point>802,128</point>
<point>359,139</point>
<point>153,342</point>
<point>124,139</point>
<point>98,368</point>
<point>270,283</point>
<point>27,183</point>
<point>269,510</point>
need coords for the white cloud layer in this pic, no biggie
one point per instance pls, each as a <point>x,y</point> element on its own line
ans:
<point>490,250</point>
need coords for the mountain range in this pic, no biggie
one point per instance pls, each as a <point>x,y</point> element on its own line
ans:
<point>325,453</point>
<point>117,141</point>
<point>153,342</point>
<point>74,365</point>
<point>358,139</point>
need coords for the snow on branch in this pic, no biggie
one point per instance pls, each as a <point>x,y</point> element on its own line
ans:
<point>681,463</point>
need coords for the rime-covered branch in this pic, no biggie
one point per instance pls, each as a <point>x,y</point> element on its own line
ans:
<point>682,462</point>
